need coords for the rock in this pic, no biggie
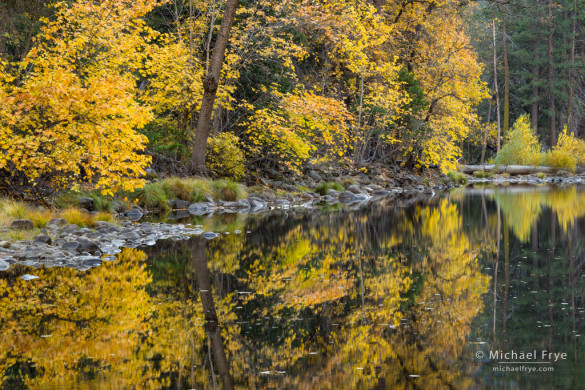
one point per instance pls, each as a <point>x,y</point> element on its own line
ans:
<point>130,236</point>
<point>256,204</point>
<point>356,189</point>
<point>134,214</point>
<point>179,214</point>
<point>4,244</point>
<point>85,202</point>
<point>198,208</point>
<point>88,245</point>
<point>282,202</point>
<point>69,228</point>
<point>315,176</point>
<point>4,265</point>
<point>150,173</point>
<point>268,194</point>
<point>420,188</point>
<point>28,277</point>
<point>375,187</point>
<point>210,235</point>
<point>290,188</point>
<point>334,193</point>
<point>56,222</point>
<point>346,197</point>
<point>360,197</point>
<point>22,224</point>
<point>43,238</point>
<point>73,246</point>
<point>381,193</point>
<point>179,204</point>
<point>244,204</point>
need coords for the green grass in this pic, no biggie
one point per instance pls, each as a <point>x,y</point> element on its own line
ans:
<point>541,175</point>
<point>323,188</point>
<point>457,177</point>
<point>482,174</point>
<point>155,196</point>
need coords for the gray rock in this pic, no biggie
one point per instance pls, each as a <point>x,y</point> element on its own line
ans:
<point>179,214</point>
<point>420,188</point>
<point>88,245</point>
<point>360,197</point>
<point>381,193</point>
<point>43,238</point>
<point>268,194</point>
<point>28,277</point>
<point>4,265</point>
<point>244,204</point>
<point>4,244</point>
<point>315,176</point>
<point>150,173</point>
<point>85,202</point>
<point>290,188</point>
<point>256,204</point>
<point>356,189</point>
<point>134,214</point>
<point>210,235</point>
<point>73,246</point>
<point>198,208</point>
<point>333,193</point>
<point>346,197</point>
<point>131,236</point>
<point>375,187</point>
<point>178,204</point>
<point>56,222</point>
<point>22,224</point>
<point>69,228</point>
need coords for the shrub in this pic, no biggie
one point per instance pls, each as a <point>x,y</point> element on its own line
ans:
<point>482,174</point>
<point>228,190</point>
<point>567,153</point>
<point>323,188</point>
<point>225,158</point>
<point>457,177</point>
<point>522,146</point>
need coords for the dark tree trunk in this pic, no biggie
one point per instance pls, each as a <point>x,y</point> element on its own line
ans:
<point>210,89</point>
<point>551,96</point>
<point>506,81</point>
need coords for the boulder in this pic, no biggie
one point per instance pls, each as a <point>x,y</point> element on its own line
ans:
<point>315,176</point>
<point>88,245</point>
<point>134,214</point>
<point>346,197</point>
<point>198,208</point>
<point>85,202</point>
<point>73,246</point>
<point>179,204</point>
<point>43,238</point>
<point>22,224</point>
<point>56,222</point>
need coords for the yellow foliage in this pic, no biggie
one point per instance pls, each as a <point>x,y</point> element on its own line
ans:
<point>522,146</point>
<point>71,112</point>
<point>224,156</point>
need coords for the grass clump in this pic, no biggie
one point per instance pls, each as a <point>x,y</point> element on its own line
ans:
<point>323,188</point>
<point>541,175</point>
<point>482,174</point>
<point>228,190</point>
<point>457,177</point>
<point>77,217</point>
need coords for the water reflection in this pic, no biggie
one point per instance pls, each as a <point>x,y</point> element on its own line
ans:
<point>385,297</point>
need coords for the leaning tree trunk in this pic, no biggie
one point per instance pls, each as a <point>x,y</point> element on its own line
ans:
<point>210,89</point>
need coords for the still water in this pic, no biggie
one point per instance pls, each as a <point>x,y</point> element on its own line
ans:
<point>481,288</point>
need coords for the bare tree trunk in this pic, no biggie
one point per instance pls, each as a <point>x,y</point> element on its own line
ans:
<point>570,125</point>
<point>535,97</point>
<point>487,129</point>
<point>506,81</point>
<point>210,89</point>
<point>496,86</point>
<point>551,96</point>
<point>211,320</point>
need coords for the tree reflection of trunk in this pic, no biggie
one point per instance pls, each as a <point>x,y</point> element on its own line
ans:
<point>572,290</point>
<point>506,278</point>
<point>551,257</point>
<point>211,321</point>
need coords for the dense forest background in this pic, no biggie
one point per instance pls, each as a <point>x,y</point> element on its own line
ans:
<point>96,92</point>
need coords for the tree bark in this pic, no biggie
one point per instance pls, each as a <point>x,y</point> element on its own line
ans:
<point>570,124</point>
<point>506,81</point>
<point>535,92</point>
<point>210,86</point>
<point>551,96</point>
<point>498,142</point>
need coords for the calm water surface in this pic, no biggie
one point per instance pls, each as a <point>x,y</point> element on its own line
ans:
<point>467,291</point>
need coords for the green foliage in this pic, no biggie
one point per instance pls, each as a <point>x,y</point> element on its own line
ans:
<point>482,174</point>
<point>166,138</point>
<point>323,188</point>
<point>457,177</point>
<point>225,158</point>
<point>522,147</point>
<point>228,190</point>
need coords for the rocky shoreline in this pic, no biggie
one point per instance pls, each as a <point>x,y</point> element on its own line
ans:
<point>67,245</point>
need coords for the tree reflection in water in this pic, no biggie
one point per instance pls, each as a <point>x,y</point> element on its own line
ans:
<point>384,297</point>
